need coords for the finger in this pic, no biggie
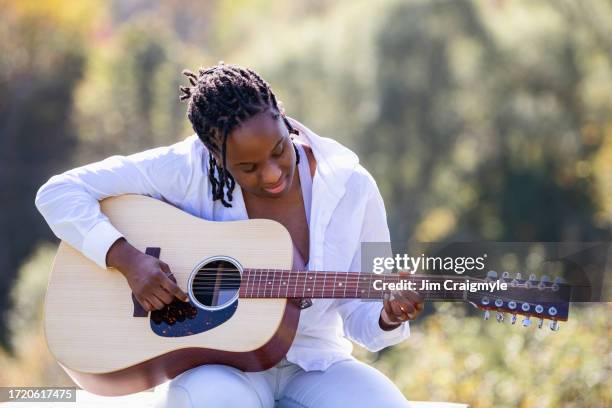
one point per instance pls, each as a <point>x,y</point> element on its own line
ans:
<point>398,314</point>
<point>407,312</point>
<point>164,267</point>
<point>403,297</point>
<point>145,305</point>
<point>387,306</point>
<point>412,296</point>
<point>163,295</point>
<point>155,302</point>
<point>407,308</point>
<point>403,273</point>
<point>174,289</point>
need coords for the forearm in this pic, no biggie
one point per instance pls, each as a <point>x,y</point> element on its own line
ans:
<point>121,255</point>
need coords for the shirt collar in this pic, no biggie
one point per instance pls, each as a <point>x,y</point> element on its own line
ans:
<point>335,163</point>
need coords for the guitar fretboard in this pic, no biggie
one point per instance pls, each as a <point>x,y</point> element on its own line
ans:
<point>275,283</point>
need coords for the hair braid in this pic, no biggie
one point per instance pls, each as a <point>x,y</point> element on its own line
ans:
<point>220,99</point>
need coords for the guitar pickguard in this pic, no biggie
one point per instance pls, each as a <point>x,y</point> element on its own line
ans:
<point>179,319</point>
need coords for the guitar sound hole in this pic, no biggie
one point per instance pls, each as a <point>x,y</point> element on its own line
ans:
<point>216,284</point>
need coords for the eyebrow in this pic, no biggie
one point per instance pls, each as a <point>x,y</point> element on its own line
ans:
<point>274,148</point>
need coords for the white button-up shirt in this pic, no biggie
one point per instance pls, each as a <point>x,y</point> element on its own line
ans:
<point>346,210</point>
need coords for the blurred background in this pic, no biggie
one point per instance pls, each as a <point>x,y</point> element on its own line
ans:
<point>480,120</point>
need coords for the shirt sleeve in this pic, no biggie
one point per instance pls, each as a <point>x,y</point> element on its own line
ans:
<point>69,201</point>
<point>361,317</point>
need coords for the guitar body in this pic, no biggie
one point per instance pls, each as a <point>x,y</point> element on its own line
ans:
<point>104,341</point>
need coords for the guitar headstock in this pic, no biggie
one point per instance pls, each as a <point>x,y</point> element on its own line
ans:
<point>531,298</point>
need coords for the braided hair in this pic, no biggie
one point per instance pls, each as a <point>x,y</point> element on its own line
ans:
<point>220,99</point>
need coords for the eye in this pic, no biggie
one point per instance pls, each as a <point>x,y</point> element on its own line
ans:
<point>248,169</point>
<point>280,149</point>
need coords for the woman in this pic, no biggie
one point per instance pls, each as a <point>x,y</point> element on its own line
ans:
<point>249,160</point>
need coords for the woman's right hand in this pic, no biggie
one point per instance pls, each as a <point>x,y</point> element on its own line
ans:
<point>147,276</point>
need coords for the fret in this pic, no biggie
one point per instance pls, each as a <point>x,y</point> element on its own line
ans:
<point>363,279</point>
<point>309,279</point>
<point>280,284</point>
<point>287,284</point>
<point>314,286</point>
<point>274,285</point>
<point>297,275</point>
<point>334,287</point>
<point>252,276</point>
<point>246,283</point>
<point>253,283</point>
<point>269,285</point>
<point>324,280</point>
<point>264,282</point>
<point>304,290</point>
<point>345,283</point>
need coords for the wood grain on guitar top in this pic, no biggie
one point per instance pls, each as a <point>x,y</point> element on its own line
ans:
<point>89,325</point>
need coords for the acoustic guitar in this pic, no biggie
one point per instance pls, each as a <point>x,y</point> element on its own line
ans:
<point>244,301</point>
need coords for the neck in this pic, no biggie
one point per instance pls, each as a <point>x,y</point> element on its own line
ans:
<point>276,283</point>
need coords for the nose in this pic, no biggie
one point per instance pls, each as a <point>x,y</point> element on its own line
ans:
<point>271,174</point>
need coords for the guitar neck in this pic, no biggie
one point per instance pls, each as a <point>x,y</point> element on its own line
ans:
<point>275,283</point>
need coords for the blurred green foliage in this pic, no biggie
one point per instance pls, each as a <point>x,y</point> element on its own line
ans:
<point>452,357</point>
<point>479,120</point>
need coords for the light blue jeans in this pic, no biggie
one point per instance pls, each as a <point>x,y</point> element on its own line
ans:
<point>347,383</point>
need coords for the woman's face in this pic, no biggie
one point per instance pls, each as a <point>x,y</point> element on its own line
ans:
<point>260,156</point>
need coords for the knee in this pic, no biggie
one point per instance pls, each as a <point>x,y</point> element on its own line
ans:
<point>176,396</point>
<point>211,387</point>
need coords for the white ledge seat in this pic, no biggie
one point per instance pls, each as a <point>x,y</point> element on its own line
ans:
<point>146,399</point>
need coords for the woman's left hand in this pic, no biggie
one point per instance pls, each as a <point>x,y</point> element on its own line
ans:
<point>398,307</point>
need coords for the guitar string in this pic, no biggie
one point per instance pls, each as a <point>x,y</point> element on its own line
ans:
<point>348,286</point>
<point>321,292</point>
<point>530,312</point>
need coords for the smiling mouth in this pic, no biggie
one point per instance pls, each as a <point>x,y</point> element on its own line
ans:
<point>278,187</point>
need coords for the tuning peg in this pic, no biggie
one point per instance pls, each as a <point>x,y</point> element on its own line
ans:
<point>554,325</point>
<point>540,322</point>
<point>499,317</point>
<point>543,281</point>
<point>556,283</point>
<point>515,281</point>
<point>532,281</point>
<point>513,319</point>
<point>487,314</point>
<point>506,275</point>
<point>526,322</point>
<point>491,275</point>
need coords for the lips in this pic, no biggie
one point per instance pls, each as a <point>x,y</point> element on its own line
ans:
<point>278,187</point>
